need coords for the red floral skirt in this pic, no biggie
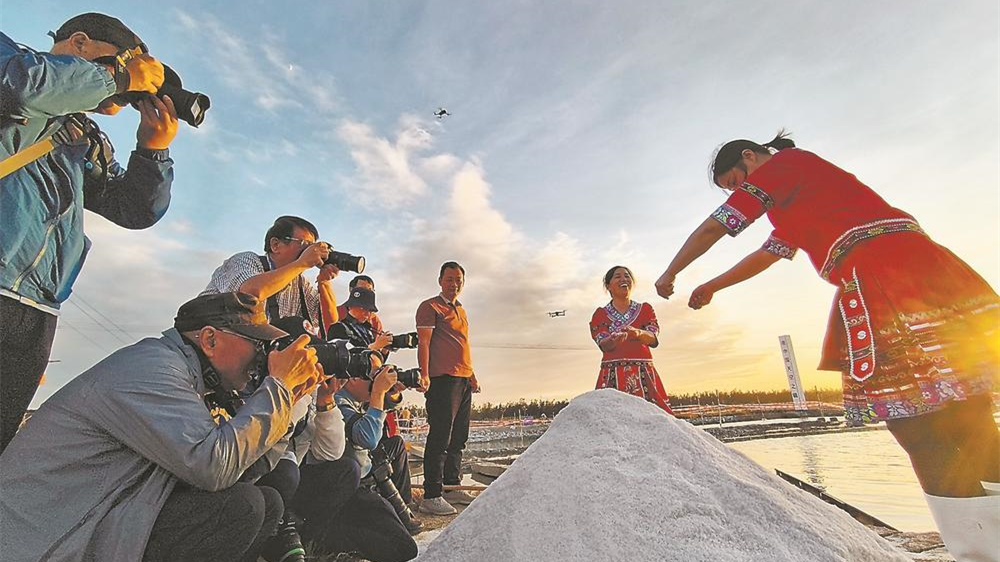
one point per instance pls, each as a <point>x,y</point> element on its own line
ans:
<point>912,328</point>
<point>637,377</point>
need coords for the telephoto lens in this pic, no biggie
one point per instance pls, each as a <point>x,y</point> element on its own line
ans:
<point>381,473</point>
<point>408,340</point>
<point>410,377</point>
<point>346,262</point>
<point>337,357</point>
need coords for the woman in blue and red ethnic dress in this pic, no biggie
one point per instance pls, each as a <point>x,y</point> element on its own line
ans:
<point>913,329</point>
<point>625,330</point>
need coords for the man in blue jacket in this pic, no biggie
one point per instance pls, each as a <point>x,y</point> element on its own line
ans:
<point>56,163</point>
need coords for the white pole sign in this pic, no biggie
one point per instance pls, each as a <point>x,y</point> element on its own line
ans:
<point>792,369</point>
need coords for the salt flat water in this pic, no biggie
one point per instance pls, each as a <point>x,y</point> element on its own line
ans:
<point>867,469</point>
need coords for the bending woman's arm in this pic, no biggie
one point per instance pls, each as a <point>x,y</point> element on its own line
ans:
<point>749,266</point>
<point>703,238</point>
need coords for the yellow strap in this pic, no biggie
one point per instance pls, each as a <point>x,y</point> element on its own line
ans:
<point>24,157</point>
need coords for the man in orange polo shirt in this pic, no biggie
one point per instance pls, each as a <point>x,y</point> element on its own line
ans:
<point>446,373</point>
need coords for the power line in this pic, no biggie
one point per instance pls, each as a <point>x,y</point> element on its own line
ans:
<point>99,323</point>
<point>553,347</point>
<point>102,315</point>
<point>64,322</point>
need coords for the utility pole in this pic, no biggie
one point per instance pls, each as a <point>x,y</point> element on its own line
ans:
<point>718,404</point>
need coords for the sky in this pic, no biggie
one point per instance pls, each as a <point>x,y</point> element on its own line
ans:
<point>580,138</point>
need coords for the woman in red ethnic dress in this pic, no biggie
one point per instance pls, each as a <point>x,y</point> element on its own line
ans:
<point>625,330</point>
<point>913,329</point>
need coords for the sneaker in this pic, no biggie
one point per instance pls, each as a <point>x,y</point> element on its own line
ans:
<point>285,546</point>
<point>437,506</point>
<point>458,496</point>
<point>412,524</point>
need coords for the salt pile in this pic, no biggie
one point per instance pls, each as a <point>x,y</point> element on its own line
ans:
<point>614,478</point>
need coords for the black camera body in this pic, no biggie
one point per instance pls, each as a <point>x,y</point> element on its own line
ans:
<point>408,340</point>
<point>337,358</point>
<point>345,261</point>
<point>410,378</point>
<point>190,106</point>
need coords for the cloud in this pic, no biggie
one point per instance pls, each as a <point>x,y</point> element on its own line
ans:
<point>262,69</point>
<point>514,278</point>
<point>386,174</point>
<point>131,286</point>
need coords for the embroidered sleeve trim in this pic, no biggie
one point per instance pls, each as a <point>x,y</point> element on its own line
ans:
<point>779,248</point>
<point>759,194</point>
<point>734,221</point>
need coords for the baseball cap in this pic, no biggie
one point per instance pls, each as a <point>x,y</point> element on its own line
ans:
<point>100,27</point>
<point>239,312</point>
<point>362,298</point>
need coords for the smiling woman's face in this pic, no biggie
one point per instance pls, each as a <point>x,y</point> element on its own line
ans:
<point>621,283</point>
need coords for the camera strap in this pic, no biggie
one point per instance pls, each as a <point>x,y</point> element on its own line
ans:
<point>361,335</point>
<point>216,398</point>
<point>272,301</point>
<point>26,156</point>
<point>74,128</point>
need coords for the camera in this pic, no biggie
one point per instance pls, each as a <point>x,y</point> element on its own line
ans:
<point>410,378</point>
<point>337,357</point>
<point>404,341</point>
<point>345,261</point>
<point>380,478</point>
<point>190,106</point>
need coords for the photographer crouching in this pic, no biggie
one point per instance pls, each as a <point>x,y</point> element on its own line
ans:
<point>340,513</point>
<point>139,457</point>
<point>359,323</point>
<point>278,278</point>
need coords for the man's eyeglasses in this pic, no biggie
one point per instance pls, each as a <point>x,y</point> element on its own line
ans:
<point>299,240</point>
<point>260,345</point>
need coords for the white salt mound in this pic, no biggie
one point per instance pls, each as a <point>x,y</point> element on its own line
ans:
<point>615,478</point>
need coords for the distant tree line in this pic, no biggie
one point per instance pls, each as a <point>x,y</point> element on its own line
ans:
<point>488,411</point>
<point>705,398</point>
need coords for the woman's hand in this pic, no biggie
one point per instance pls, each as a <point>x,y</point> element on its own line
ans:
<point>701,296</point>
<point>665,285</point>
<point>612,341</point>
<point>632,333</point>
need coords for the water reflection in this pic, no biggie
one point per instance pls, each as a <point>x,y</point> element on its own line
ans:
<point>866,469</point>
<point>811,463</point>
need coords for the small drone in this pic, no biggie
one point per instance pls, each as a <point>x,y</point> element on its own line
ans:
<point>555,313</point>
<point>441,113</point>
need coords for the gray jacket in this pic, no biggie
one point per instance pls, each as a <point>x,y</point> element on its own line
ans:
<point>88,474</point>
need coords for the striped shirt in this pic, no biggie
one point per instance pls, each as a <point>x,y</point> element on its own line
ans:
<point>233,272</point>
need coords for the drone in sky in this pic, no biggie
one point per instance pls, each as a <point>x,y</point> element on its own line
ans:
<point>441,113</point>
<point>555,313</point>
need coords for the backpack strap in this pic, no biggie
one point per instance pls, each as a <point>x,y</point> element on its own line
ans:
<point>272,301</point>
<point>349,427</point>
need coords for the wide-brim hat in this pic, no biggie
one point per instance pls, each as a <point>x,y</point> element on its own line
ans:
<point>362,298</point>
<point>239,312</point>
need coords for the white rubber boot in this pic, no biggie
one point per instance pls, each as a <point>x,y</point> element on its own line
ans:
<point>970,527</point>
<point>991,488</point>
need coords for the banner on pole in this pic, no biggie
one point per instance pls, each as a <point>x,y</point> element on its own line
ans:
<point>792,370</point>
